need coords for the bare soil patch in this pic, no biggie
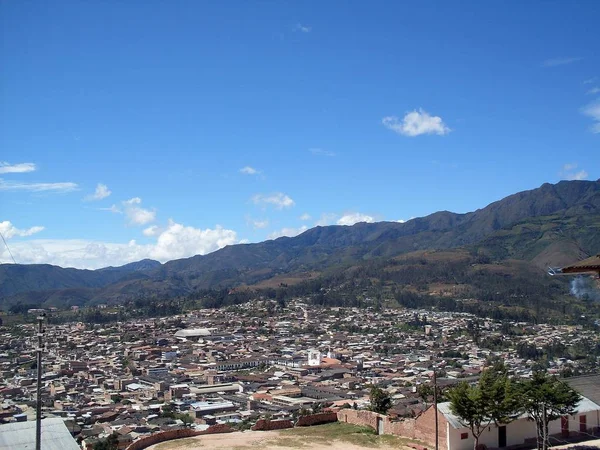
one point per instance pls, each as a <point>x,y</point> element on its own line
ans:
<point>335,436</point>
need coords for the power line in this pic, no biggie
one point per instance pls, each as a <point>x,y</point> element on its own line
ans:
<point>7,248</point>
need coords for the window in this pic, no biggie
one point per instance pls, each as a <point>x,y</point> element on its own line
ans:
<point>464,435</point>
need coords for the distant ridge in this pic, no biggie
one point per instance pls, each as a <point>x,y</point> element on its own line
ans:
<point>554,223</point>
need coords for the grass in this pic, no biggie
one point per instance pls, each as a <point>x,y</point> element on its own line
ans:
<point>338,431</point>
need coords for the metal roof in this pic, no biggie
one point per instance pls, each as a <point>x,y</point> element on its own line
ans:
<point>591,264</point>
<point>588,386</point>
<point>21,435</point>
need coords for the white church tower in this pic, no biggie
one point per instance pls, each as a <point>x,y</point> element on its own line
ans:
<point>314,358</point>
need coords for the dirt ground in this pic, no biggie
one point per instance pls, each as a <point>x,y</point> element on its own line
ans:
<point>321,438</point>
<point>595,443</point>
<point>328,437</point>
<point>264,440</point>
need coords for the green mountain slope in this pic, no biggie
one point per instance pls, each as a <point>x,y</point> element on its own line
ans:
<point>550,225</point>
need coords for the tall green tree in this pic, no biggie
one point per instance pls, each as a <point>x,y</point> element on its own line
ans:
<point>492,400</point>
<point>545,398</point>
<point>467,403</point>
<point>381,401</point>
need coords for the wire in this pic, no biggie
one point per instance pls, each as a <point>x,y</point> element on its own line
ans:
<point>7,248</point>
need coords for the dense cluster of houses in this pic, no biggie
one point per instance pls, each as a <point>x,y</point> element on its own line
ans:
<point>241,363</point>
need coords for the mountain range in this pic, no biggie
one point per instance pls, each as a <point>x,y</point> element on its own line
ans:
<point>552,225</point>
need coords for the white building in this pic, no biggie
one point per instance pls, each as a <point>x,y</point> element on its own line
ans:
<point>314,358</point>
<point>521,431</point>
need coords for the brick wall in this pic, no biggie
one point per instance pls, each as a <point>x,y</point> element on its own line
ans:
<point>359,417</point>
<point>422,428</point>
<point>163,436</point>
<point>425,428</point>
<point>317,419</point>
<point>268,425</point>
<point>404,427</point>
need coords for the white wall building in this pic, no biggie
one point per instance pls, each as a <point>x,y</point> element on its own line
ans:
<point>522,430</point>
<point>314,358</point>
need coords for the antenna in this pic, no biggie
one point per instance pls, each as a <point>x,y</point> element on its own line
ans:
<point>7,248</point>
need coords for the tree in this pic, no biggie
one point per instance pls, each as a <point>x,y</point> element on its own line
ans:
<point>380,400</point>
<point>110,443</point>
<point>317,408</point>
<point>467,403</point>
<point>168,410</point>
<point>425,391</point>
<point>186,419</point>
<point>545,398</point>
<point>492,400</point>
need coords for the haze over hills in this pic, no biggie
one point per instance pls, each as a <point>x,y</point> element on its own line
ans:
<point>550,225</point>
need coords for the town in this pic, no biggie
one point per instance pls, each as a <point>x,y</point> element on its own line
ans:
<point>263,360</point>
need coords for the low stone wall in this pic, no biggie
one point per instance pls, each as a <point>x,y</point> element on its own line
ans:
<point>317,419</point>
<point>163,436</point>
<point>268,425</point>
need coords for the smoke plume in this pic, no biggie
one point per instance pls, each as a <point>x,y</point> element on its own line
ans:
<point>583,287</point>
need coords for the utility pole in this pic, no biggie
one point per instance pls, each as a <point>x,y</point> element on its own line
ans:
<point>544,437</point>
<point>435,402</point>
<point>38,407</point>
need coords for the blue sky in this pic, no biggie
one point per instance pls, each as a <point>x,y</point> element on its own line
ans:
<point>166,129</point>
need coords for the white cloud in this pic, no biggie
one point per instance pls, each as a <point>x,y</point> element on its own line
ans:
<point>136,215</point>
<point>16,168</point>
<point>289,232</point>
<point>113,209</point>
<point>260,224</point>
<point>590,80</point>
<point>594,91</point>
<point>257,223</point>
<point>559,61</point>
<point>569,172</point>
<point>593,110</point>
<point>278,199</point>
<point>249,171</point>
<point>321,152</point>
<point>101,192</point>
<point>326,219</point>
<point>416,123</point>
<point>153,230</point>
<point>59,188</point>
<point>8,230</point>
<point>302,28</point>
<point>175,241</point>
<point>352,218</point>
<point>179,241</point>
<point>305,216</point>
